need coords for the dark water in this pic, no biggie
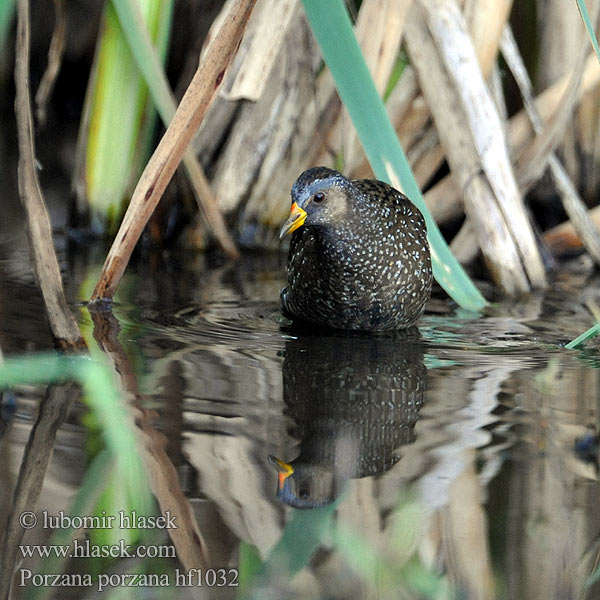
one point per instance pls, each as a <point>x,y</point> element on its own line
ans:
<point>455,463</point>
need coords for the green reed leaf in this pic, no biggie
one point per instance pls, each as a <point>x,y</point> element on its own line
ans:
<point>101,395</point>
<point>147,59</point>
<point>586,335</point>
<point>585,15</point>
<point>121,118</point>
<point>7,11</point>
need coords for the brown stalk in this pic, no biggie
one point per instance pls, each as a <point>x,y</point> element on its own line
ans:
<point>407,110</point>
<point>162,475</point>
<point>443,201</point>
<point>36,458</point>
<point>55,55</point>
<point>172,147</point>
<point>471,135</point>
<point>485,20</point>
<point>488,140</point>
<point>205,199</point>
<point>573,204</point>
<point>521,135</point>
<point>464,244</point>
<point>62,323</point>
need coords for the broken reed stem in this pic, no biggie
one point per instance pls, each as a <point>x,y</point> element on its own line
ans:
<point>443,199</point>
<point>463,137</point>
<point>488,136</point>
<point>170,150</point>
<point>62,323</point>
<point>142,48</point>
<point>573,204</point>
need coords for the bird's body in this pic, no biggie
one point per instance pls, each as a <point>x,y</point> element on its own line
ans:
<point>359,259</point>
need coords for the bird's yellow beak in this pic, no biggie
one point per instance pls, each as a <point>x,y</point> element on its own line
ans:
<point>284,469</point>
<point>295,220</point>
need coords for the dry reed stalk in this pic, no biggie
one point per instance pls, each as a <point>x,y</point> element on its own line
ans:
<point>575,208</point>
<point>271,139</point>
<point>55,54</point>
<point>573,204</point>
<point>254,128</point>
<point>249,73</point>
<point>208,204</point>
<point>426,156</point>
<point>521,132</point>
<point>464,244</point>
<point>65,330</point>
<point>560,132</point>
<point>588,132</point>
<point>62,323</point>
<point>496,90</point>
<point>443,200</point>
<point>472,137</point>
<point>485,20</point>
<point>205,199</point>
<point>379,28</point>
<point>407,109</point>
<point>297,142</point>
<point>170,150</point>
<point>531,163</point>
<point>561,33</point>
<point>291,141</point>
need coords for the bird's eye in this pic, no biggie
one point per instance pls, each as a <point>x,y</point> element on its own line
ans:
<point>319,197</point>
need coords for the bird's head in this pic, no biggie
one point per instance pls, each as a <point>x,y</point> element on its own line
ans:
<point>319,197</point>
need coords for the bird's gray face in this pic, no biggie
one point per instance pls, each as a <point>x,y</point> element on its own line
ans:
<point>319,197</point>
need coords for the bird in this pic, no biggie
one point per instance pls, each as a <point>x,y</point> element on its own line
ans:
<point>359,257</point>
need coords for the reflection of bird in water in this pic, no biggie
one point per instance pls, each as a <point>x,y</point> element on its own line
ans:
<point>586,447</point>
<point>359,255</point>
<point>354,401</point>
<point>8,407</point>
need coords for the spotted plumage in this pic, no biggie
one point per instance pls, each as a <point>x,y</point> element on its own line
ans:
<point>359,256</point>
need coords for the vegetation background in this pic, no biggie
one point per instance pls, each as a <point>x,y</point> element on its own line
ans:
<point>520,121</point>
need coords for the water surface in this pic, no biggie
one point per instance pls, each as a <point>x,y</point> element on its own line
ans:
<point>458,462</point>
